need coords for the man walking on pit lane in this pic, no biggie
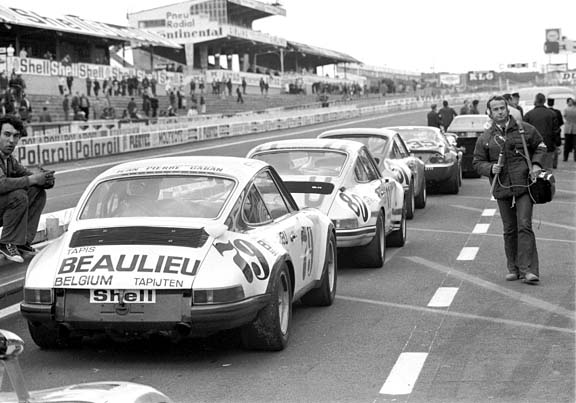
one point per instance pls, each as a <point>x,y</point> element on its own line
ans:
<point>446,115</point>
<point>499,154</point>
<point>544,120</point>
<point>22,194</point>
<point>433,117</point>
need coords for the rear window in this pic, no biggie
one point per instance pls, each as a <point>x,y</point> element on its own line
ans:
<point>305,162</point>
<point>192,196</point>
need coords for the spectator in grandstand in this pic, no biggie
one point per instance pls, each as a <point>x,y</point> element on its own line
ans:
<point>115,87</point>
<point>2,107</point>
<point>544,120</point>
<point>465,110</point>
<point>570,129</point>
<point>45,116</point>
<point>23,53</point>
<point>201,86</point>
<point>239,98</point>
<point>3,83</point>
<point>244,84</point>
<point>558,133</point>
<point>105,89</point>
<point>48,55</point>
<point>16,83</point>
<point>84,105</point>
<point>229,86</point>
<point>132,109</point>
<point>96,87</point>
<point>66,107</point>
<point>123,84</point>
<point>10,50</point>
<point>153,83</point>
<point>22,194</point>
<point>474,108</point>
<point>145,85</point>
<point>88,85</point>
<point>262,85</point>
<point>79,115</point>
<point>75,103</point>
<point>172,99</point>
<point>66,60</point>
<point>202,104</point>
<point>69,83</point>
<point>25,109</point>
<point>146,103</point>
<point>446,115</point>
<point>154,106</point>
<point>61,84</point>
<point>179,98</point>
<point>96,108</point>
<point>433,117</point>
<point>192,86</point>
<point>515,102</point>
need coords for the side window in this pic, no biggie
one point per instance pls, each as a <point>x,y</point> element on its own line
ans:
<point>360,172</point>
<point>369,164</point>
<point>396,154</point>
<point>402,151</point>
<point>254,210</point>
<point>271,195</point>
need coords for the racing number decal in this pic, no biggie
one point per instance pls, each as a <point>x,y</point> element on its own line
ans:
<point>245,249</point>
<point>307,241</point>
<point>357,205</point>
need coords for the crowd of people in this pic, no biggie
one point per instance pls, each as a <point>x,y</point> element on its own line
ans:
<point>13,100</point>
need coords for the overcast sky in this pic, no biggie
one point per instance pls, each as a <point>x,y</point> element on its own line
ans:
<point>414,35</point>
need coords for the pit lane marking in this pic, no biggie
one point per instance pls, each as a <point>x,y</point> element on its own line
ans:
<point>404,374</point>
<point>481,228</point>
<point>468,253</point>
<point>489,212</point>
<point>458,233</point>
<point>443,297</point>
<point>521,297</point>
<point>459,315</point>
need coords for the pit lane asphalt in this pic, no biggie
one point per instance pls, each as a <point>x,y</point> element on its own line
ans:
<point>496,341</point>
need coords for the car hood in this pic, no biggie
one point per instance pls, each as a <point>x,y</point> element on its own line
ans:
<point>95,392</point>
<point>136,256</point>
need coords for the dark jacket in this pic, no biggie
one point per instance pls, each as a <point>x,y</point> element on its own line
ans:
<point>434,119</point>
<point>513,179</point>
<point>13,176</point>
<point>446,116</point>
<point>544,120</point>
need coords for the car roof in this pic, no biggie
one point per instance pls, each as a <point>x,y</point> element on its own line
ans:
<point>399,128</point>
<point>359,131</point>
<point>469,122</point>
<point>348,146</point>
<point>242,169</point>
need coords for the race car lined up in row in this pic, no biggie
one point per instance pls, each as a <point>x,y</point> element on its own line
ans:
<point>393,157</point>
<point>341,178</point>
<point>185,246</point>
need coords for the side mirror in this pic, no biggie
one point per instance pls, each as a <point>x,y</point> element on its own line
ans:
<point>11,345</point>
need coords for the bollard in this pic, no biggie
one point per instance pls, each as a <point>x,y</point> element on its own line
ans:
<point>53,229</point>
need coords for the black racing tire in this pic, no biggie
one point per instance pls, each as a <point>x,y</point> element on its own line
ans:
<point>420,200</point>
<point>48,336</point>
<point>409,201</point>
<point>325,294</point>
<point>373,254</point>
<point>271,328</point>
<point>452,185</point>
<point>398,237</point>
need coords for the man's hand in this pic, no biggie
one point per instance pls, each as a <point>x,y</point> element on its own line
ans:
<point>535,171</point>
<point>496,169</point>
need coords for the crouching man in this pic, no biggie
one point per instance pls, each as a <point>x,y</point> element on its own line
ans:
<point>22,194</point>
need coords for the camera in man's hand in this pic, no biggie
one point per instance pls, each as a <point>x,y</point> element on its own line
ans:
<point>50,180</point>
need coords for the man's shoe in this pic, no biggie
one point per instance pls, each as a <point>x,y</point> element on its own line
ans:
<point>11,252</point>
<point>512,276</point>
<point>27,248</point>
<point>530,278</point>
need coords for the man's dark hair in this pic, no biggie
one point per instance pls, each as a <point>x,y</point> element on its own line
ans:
<point>550,101</point>
<point>14,121</point>
<point>516,95</point>
<point>433,106</point>
<point>444,103</point>
<point>540,99</point>
<point>495,98</point>
<point>475,102</point>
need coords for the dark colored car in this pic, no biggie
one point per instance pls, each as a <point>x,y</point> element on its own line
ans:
<point>468,128</point>
<point>441,159</point>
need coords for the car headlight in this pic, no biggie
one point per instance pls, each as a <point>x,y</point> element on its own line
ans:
<point>347,223</point>
<point>38,296</point>
<point>218,295</point>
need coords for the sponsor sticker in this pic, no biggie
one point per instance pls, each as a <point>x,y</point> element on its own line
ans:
<point>122,296</point>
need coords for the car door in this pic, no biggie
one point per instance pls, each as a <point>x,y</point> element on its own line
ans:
<point>410,160</point>
<point>275,218</point>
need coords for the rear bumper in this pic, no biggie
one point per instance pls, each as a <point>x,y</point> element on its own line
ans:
<point>346,238</point>
<point>437,173</point>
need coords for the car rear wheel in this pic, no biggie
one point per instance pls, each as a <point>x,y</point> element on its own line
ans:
<point>420,200</point>
<point>452,186</point>
<point>409,201</point>
<point>373,254</point>
<point>398,237</point>
<point>325,294</point>
<point>271,328</point>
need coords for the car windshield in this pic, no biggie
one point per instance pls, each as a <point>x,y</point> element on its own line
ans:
<point>159,196</point>
<point>375,144</point>
<point>416,138</point>
<point>469,123</point>
<point>305,162</point>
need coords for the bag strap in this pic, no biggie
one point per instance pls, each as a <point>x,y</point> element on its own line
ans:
<point>526,154</point>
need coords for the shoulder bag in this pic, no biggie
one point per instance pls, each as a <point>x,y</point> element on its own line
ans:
<point>542,187</point>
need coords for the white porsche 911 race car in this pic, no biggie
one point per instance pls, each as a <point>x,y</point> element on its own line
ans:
<point>341,178</point>
<point>11,346</point>
<point>189,246</point>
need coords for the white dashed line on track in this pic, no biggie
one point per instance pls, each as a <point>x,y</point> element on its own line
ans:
<point>480,228</point>
<point>443,297</point>
<point>489,212</point>
<point>404,374</point>
<point>468,253</point>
